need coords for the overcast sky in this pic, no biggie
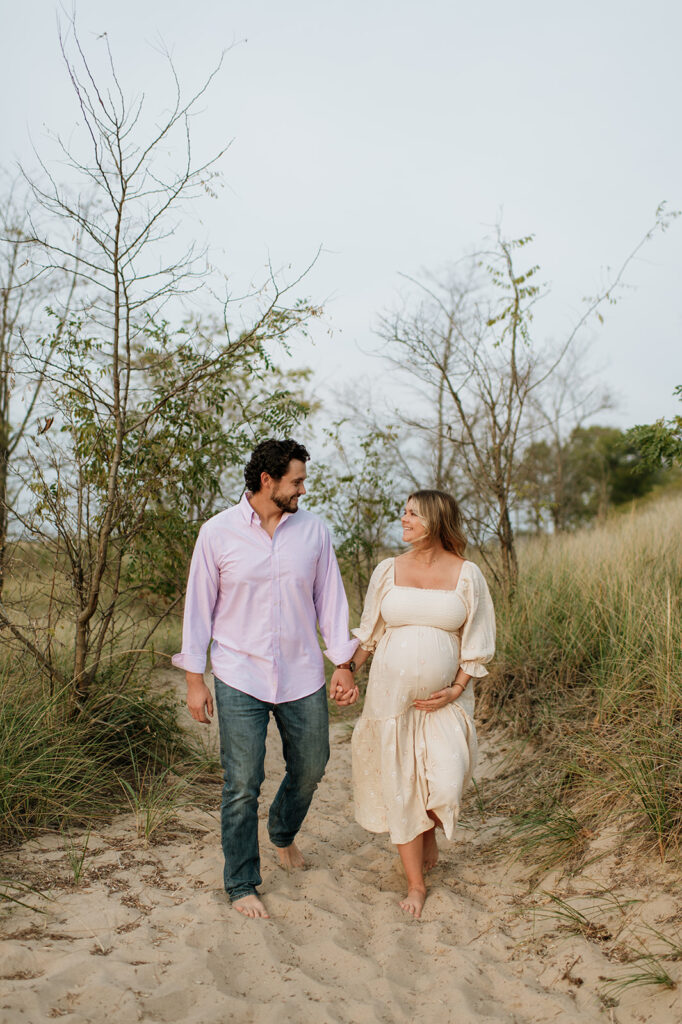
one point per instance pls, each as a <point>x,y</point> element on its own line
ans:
<point>394,135</point>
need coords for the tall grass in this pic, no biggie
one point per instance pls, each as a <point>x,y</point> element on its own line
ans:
<point>590,663</point>
<point>59,770</point>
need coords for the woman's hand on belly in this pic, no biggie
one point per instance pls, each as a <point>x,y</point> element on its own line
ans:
<point>437,700</point>
<point>443,697</point>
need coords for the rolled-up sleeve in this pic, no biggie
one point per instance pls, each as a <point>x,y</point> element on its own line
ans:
<point>200,601</point>
<point>331,605</point>
<point>478,631</point>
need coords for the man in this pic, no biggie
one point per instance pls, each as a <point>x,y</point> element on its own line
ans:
<point>263,575</point>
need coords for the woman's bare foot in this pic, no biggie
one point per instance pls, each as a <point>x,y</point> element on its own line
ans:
<point>250,906</point>
<point>430,849</point>
<point>414,901</point>
<point>290,857</point>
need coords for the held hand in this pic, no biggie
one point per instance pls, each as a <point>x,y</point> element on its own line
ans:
<point>438,700</point>
<point>199,698</point>
<point>342,680</point>
<point>342,688</point>
<point>344,700</point>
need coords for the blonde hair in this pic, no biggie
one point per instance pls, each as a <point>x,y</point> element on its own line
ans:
<point>442,518</point>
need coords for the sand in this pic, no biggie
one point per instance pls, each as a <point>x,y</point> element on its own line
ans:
<point>147,934</point>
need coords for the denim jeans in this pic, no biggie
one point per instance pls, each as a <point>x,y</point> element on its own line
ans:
<point>304,728</point>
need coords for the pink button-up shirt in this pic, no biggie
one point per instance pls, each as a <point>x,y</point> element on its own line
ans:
<point>259,600</point>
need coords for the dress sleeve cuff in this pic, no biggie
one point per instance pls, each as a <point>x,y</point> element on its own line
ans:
<point>366,645</point>
<point>342,652</point>
<point>474,669</point>
<point>190,662</point>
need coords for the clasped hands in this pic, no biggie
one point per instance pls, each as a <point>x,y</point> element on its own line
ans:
<point>343,689</point>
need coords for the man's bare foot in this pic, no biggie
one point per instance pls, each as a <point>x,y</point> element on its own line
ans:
<point>430,849</point>
<point>414,901</point>
<point>250,906</point>
<point>290,857</point>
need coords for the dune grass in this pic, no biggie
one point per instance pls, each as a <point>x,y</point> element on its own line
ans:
<point>60,769</point>
<point>589,666</point>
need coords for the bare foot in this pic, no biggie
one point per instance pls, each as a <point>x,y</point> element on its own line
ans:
<point>290,857</point>
<point>414,901</point>
<point>250,906</point>
<point>430,849</point>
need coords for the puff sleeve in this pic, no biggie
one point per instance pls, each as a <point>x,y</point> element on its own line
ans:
<point>477,635</point>
<point>372,627</point>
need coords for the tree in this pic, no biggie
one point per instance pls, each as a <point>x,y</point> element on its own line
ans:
<point>469,349</point>
<point>660,443</point>
<point>571,395</point>
<point>134,406</point>
<point>607,469</point>
<point>474,367</point>
<point>601,468</point>
<point>540,483</point>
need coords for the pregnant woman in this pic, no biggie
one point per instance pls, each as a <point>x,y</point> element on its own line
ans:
<point>429,622</point>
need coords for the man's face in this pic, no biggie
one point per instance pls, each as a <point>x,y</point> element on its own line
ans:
<point>286,492</point>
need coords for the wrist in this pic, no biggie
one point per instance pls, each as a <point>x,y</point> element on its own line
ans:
<point>350,666</point>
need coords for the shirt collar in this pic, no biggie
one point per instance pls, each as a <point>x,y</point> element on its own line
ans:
<point>246,509</point>
<point>249,513</point>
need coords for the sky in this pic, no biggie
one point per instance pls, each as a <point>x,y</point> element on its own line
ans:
<point>394,136</point>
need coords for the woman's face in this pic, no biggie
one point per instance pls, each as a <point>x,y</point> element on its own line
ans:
<point>413,527</point>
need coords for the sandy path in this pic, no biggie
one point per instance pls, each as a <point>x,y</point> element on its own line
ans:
<point>148,935</point>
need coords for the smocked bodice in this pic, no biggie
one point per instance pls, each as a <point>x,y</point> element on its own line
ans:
<point>415,606</point>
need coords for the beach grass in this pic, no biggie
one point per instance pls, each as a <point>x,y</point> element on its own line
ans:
<point>589,668</point>
<point>60,769</point>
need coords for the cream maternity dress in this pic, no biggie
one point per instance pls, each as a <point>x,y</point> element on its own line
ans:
<point>407,761</point>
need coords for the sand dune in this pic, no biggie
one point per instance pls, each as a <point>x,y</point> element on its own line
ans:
<point>149,936</point>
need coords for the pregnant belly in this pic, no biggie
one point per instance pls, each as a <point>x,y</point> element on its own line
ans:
<point>416,661</point>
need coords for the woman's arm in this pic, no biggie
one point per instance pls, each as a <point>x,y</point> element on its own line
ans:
<point>372,627</point>
<point>447,696</point>
<point>360,657</point>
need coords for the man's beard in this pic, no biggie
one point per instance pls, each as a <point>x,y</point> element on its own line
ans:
<point>286,504</point>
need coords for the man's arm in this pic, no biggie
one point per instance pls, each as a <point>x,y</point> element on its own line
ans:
<point>331,607</point>
<point>200,600</point>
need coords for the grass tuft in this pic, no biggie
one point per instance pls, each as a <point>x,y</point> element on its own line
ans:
<point>61,771</point>
<point>649,971</point>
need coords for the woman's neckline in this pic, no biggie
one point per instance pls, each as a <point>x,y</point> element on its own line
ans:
<point>433,590</point>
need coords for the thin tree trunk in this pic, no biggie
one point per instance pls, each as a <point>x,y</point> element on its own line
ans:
<point>510,565</point>
<point>4,517</point>
<point>83,677</point>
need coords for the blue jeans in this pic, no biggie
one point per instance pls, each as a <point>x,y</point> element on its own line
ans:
<point>304,727</point>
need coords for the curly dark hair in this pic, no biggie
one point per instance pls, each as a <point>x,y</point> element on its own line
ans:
<point>273,457</point>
